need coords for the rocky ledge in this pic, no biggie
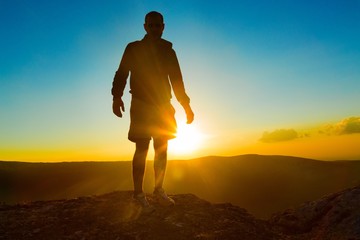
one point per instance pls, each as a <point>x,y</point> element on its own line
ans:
<point>117,216</point>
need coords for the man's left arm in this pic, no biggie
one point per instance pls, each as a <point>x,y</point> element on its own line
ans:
<point>177,84</point>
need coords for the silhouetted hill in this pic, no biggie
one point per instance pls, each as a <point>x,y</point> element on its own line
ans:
<point>116,216</point>
<point>261,184</point>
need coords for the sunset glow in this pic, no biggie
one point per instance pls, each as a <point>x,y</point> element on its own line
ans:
<point>263,78</point>
<point>188,139</point>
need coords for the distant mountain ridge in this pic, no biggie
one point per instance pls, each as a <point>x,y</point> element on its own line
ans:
<point>261,184</point>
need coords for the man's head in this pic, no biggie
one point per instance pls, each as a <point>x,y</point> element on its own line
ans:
<point>154,25</point>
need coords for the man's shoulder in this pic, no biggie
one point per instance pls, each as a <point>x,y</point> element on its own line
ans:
<point>134,43</point>
<point>166,43</point>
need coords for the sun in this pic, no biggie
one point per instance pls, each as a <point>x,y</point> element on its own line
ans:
<point>188,139</point>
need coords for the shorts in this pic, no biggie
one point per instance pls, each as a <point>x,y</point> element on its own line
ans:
<point>151,121</point>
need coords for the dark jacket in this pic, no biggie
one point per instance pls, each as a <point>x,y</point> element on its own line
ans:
<point>154,69</point>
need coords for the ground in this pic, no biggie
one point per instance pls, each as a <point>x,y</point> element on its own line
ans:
<point>117,216</point>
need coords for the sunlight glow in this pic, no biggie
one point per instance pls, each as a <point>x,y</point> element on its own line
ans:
<point>188,139</point>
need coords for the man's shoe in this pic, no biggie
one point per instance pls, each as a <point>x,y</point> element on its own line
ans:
<point>141,199</point>
<point>162,198</point>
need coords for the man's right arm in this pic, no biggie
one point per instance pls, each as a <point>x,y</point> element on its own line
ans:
<point>119,83</point>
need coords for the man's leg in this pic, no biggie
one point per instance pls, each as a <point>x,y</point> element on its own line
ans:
<point>138,164</point>
<point>160,146</point>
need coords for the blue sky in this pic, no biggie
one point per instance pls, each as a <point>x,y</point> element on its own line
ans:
<point>248,66</point>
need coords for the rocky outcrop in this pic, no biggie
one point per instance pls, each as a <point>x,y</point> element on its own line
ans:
<point>117,216</point>
<point>336,217</point>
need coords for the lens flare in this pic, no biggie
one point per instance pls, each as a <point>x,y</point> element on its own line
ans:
<point>188,139</point>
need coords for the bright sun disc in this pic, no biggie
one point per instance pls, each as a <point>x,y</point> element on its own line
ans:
<point>188,139</point>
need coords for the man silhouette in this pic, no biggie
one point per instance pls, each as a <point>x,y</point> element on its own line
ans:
<point>154,70</point>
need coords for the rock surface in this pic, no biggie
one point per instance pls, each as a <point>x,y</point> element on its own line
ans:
<point>116,216</point>
<point>336,216</point>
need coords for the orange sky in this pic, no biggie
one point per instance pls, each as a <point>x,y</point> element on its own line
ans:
<point>315,143</point>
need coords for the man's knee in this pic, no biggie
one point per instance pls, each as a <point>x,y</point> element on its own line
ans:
<point>142,145</point>
<point>141,151</point>
<point>160,144</point>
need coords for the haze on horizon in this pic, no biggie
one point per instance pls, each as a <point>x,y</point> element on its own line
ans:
<point>264,78</point>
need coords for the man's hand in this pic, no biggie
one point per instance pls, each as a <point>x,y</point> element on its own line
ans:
<point>118,107</point>
<point>189,113</point>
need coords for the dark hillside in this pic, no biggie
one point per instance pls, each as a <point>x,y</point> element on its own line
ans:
<point>261,184</point>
